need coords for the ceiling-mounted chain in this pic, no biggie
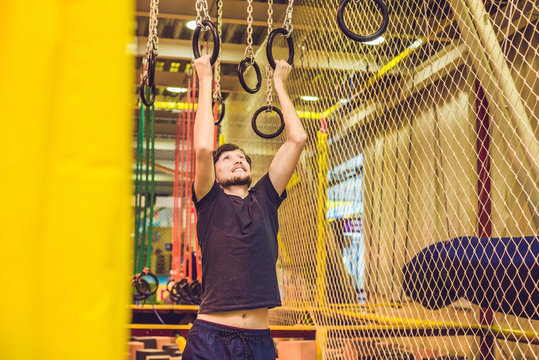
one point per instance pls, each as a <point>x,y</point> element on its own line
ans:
<point>202,11</point>
<point>249,50</point>
<point>217,93</point>
<point>287,24</point>
<point>147,78</point>
<point>153,41</point>
<point>269,70</point>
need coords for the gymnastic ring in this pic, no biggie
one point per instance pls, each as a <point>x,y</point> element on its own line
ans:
<point>170,290</point>
<point>216,41</point>
<point>222,114</point>
<point>170,281</point>
<point>142,92</point>
<point>244,64</point>
<point>363,38</point>
<point>137,295</point>
<point>195,289</point>
<point>269,46</point>
<point>182,289</point>
<point>151,69</point>
<point>139,278</point>
<point>174,296</point>
<point>268,109</point>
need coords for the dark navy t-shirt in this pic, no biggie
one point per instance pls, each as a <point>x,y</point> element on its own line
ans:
<point>238,240</point>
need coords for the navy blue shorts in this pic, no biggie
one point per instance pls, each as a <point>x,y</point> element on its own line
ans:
<point>210,341</point>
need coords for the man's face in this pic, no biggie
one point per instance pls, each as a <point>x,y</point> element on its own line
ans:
<point>232,169</point>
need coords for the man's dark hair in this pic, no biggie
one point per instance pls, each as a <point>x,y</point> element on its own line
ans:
<point>229,147</point>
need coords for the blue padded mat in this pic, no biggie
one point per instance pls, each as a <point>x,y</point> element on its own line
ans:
<point>501,274</point>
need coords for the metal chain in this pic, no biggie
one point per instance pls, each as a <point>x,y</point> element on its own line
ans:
<point>152,45</point>
<point>269,89</point>
<point>249,50</point>
<point>270,16</point>
<point>153,40</point>
<point>217,74</point>
<point>287,24</point>
<point>269,70</point>
<point>202,10</point>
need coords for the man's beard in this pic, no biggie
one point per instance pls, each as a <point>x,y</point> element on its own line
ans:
<point>237,181</point>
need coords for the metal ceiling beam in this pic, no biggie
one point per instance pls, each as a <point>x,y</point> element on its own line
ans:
<point>234,12</point>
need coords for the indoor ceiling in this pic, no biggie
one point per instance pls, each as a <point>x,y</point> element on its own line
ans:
<point>175,55</point>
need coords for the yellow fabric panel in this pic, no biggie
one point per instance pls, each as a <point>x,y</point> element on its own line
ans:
<point>66,187</point>
<point>23,149</point>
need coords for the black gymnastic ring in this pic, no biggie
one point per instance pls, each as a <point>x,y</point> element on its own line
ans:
<point>244,64</point>
<point>182,289</point>
<point>170,281</point>
<point>269,109</point>
<point>195,291</point>
<point>363,38</point>
<point>137,295</point>
<point>151,69</point>
<point>216,41</point>
<point>269,46</point>
<point>222,114</point>
<point>142,92</point>
<point>139,279</point>
<point>170,290</point>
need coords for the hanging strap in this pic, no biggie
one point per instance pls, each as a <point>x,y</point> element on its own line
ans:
<point>144,281</point>
<point>138,196</point>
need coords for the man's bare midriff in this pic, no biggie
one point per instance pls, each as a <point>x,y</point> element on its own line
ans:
<point>245,319</point>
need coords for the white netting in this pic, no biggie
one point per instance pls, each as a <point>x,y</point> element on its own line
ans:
<point>431,136</point>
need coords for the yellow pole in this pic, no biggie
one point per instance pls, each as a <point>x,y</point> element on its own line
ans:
<point>321,220</point>
<point>65,178</point>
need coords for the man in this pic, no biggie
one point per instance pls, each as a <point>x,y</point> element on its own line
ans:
<point>237,231</point>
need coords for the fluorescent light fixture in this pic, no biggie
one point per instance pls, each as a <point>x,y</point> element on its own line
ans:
<point>191,24</point>
<point>343,101</point>
<point>377,41</point>
<point>176,90</point>
<point>416,44</point>
<point>309,98</point>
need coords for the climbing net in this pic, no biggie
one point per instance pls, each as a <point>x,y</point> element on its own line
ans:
<point>411,222</point>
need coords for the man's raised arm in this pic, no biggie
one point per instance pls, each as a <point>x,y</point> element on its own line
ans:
<point>284,162</point>
<point>203,131</point>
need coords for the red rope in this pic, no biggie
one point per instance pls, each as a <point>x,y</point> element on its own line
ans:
<point>175,266</point>
<point>185,186</point>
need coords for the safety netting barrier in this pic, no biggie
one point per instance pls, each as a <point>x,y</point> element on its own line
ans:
<point>411,224</point>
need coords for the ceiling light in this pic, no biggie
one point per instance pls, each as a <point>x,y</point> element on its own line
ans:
<point>191,24</point>
<point>377,41</point>
<point>309,98</point>
<point>343,101</point>
<point>176,89</point>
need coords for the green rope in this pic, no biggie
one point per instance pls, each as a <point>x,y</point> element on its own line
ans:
<point>150,231</point>
<point>146,193</point>
<point>138,196</point>
<point>143,222</point>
